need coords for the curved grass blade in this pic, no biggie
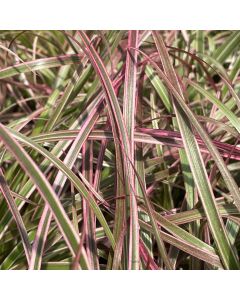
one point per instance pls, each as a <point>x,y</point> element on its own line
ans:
<point>196,214</point>
<point>40,64</point>
<point>186,247</point>
<point>46,191</point>
<point>222,52</point>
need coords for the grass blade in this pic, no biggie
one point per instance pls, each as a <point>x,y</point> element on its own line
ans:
<point>14,210</point>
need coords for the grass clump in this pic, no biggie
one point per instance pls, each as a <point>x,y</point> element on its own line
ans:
<point>119,150</point>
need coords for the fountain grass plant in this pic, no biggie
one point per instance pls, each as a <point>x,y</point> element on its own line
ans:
<point>119,150</point>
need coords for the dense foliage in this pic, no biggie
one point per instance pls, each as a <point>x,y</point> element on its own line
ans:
<point>119,150</point>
